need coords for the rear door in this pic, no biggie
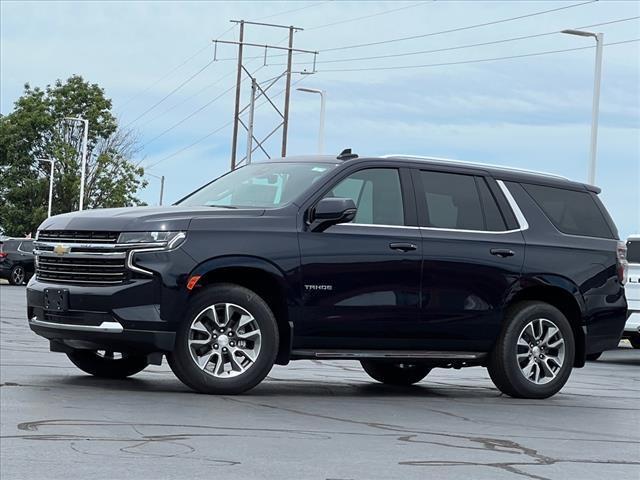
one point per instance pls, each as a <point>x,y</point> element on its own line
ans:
<point>473,252</point>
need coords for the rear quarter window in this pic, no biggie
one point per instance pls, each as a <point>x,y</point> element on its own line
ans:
<point>570,211</point>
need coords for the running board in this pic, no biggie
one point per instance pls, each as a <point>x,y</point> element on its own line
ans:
<point>388,354</point>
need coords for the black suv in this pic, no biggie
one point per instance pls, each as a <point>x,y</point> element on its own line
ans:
<point>402,263</point>
<point>16,260</point>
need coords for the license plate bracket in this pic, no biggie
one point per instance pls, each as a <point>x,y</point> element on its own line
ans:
<point>56,299</point>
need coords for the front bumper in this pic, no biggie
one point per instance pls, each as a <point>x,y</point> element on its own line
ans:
<point>125,317</point>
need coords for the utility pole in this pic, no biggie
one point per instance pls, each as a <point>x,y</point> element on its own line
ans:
<point>287,95</point>
<point>236,114</point>
<point>52,162</point>
<point>161,178</point>
<point>83,167</point>
<point>252,107</point>
<point>259,90</point>
<point>595,107</point>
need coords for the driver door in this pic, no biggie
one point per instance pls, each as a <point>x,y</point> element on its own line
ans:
<point>361,280</point>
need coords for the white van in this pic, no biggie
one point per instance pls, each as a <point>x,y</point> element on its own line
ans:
<point>632,291</point>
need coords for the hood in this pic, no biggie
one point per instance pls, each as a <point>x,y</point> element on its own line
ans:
<point>139,219</point>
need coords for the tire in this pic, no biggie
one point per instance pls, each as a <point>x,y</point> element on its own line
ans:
<point>592,357</point>
<point>532,321</point>
<point>101,365</point>
<point>17,275</point>
<point>395,373</point>
<point>635,342</point>
<point>236,357</point>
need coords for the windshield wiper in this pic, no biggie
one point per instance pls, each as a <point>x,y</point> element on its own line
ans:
<point>223,206</point>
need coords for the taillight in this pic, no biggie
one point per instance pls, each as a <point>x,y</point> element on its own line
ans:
<point>623,265</point>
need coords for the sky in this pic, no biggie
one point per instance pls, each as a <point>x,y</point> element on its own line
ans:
<point>154,60</point>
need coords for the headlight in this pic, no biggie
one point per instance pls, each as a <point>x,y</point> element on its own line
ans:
<point>159,239</point>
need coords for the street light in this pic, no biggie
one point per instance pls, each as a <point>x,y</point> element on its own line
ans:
<point>84,155</point>
<point>161,178</point>
<point>596,98</point>
<point>322,94</point>
<point>52,162</point>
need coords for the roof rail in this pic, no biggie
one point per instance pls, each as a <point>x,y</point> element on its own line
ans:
<point>474,164</point>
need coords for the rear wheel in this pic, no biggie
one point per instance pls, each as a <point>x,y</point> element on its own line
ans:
<point>227,343</point>
<point>395,373</point>
<point>108,364</point>
<point>635,342</point>
<point>17,275</point>
<point>533,356</point>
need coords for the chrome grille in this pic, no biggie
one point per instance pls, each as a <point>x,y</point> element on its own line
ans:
<point>87,257</point>
<point>77,236</point>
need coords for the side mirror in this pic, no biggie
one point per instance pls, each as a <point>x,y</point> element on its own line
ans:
<point>331,211</point>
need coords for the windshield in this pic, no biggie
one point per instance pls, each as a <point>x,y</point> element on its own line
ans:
<point>263,185</point>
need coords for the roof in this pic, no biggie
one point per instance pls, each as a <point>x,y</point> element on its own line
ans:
<point>498,171</point>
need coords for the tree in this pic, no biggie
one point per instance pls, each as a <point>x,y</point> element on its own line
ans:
<point>36,129</point>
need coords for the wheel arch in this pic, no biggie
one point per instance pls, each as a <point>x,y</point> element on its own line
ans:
<point>260,276</point>
<point>563,295</point>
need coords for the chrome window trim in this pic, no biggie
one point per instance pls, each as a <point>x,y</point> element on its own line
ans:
<point>521,219</point>
<point>378,225</point>
<point>104,327</point>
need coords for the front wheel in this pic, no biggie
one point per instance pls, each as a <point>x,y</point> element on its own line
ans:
<point>227,343</point>
<point>533,356</point>
<point>108,364</point>
<point>395,373</point>
<point>17,275</point>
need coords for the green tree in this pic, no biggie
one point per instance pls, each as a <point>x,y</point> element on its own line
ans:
<point>36,129</point>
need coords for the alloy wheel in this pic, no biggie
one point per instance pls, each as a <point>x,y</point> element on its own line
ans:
<point>224,340</point>
<point>18,275</point>
<point>540,351</point>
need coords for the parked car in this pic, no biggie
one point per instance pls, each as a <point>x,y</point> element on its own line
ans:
<point>632,327</point>
<point>404,264</point>
<point>16,260</point>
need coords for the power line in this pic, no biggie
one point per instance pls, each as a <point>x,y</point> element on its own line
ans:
<point>459,29</point>
<point>220,128</point>
<point>385,12</point>
<point>469,45</point>
<point>153,84</point>
<point>170,93</point>
<point>293,10</point>
<point>480,60</point>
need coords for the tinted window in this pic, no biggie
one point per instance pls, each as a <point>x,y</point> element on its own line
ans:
<point>10,246</point>
<point>377,194</point>
<point>492,216</point>
<point>452,201</point>
<point>571,212</point>
<point>633,251</point>
<point>27,246</point>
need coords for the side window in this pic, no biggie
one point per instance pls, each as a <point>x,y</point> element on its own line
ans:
<point>492,216</point>
<point>570,211</point>
<point>377,194</point>
<point>26,246</point>
<point>452,201</point>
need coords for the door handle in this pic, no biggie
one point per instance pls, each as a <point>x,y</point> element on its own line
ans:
<point>502,252</point>
<point>402,247</point>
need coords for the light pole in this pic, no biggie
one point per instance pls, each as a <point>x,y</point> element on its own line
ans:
<point>52,162</point>
<point>596,99</point>
<point>161,178</point>
<point>83,168</point>
<point>323,95</point>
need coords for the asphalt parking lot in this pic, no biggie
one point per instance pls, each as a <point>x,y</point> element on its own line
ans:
<point>310,420</point>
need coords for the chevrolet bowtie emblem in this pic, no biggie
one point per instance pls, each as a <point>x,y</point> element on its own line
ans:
<point>61,249</point>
